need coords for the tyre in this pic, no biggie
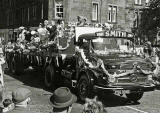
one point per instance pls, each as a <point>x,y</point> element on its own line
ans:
<point>84,88</point>
<point>13,66</point>
<point>16,67</point>
<point>9,62</point>
<point>49,77</point>
<point>9,65</point>
<point>135,96</point>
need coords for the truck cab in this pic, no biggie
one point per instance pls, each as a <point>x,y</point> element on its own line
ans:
<point>104,61</point>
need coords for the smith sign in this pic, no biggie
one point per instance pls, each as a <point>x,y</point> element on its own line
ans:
<point>115,33</point>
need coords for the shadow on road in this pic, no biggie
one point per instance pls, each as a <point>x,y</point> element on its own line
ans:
<point>111,100</point>
<point>32,78</point>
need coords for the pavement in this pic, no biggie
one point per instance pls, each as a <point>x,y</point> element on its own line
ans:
<point>33,80</point>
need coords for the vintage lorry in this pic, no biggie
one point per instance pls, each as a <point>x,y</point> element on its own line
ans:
<point>94,61</point>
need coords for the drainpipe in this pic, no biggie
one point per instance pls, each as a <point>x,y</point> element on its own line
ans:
<point>101,12</point>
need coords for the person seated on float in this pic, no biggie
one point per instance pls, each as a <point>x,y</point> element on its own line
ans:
<point>28,35</point>
<point>60,40</point>
<point>32,44</point>
<point>42,31</point>
<point>9,46</point>
<point>60,29</point>
<point>21,34</point>
<point>35,39</point>
<point>81,21</point>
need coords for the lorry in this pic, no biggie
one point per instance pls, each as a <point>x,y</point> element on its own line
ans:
<point>94,61</point>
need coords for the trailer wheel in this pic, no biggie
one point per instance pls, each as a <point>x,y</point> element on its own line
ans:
<point>9,61</point>
<point>135,96</point>
<point>49,76</point>
<point>84,88</point>
<point>16,67</point>
<point>13,66</point>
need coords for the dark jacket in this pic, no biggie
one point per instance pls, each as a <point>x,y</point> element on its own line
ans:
<point>53,32</point>
<point>28,36</point>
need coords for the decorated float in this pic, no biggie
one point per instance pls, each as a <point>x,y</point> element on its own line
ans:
<point>88,58</point>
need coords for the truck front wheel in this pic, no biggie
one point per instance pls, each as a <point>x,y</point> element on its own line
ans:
<point>135,96</point>
<point>49,76</point>
<point>84,88</point>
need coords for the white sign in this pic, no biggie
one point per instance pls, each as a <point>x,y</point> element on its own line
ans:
<point>114,33</point>
<point>85,30</point>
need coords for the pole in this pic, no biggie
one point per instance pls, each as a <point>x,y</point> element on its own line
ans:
<point>101,12</point>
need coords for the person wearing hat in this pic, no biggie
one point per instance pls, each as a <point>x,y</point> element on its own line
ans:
<point>62,100</point>
<point>21,97</point>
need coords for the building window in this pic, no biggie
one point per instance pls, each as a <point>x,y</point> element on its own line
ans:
<point>42,11</point>
<point>34,11</point>
<point>23,15</point>
<point>8,19</point>
<point>112,13</point>
<point>95,11</point>
<point>147,2</point>
<point>28,14</point>
<point>138,2</point>
<point>58,9</point>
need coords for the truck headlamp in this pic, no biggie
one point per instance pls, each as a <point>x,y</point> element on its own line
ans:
<point>150,78</point>
<point>112,79</point>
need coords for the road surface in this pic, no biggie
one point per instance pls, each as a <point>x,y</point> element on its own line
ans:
<point>31,79</point>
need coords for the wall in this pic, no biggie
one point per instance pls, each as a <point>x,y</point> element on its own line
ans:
<point>72,9</point>
<point>125,13</point>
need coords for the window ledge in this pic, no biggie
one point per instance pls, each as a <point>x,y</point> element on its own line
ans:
<point>59,19</point>
<point>138,4</point>
<point>94,20</point>
<point>112,22</point>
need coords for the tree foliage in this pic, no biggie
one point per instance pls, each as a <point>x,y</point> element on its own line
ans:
<point>150,17</point>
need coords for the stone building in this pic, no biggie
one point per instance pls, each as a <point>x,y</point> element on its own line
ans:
<point>122,14</point>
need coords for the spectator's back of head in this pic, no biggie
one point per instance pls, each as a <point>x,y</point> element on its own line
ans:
<point>62,100</point>
<point>93,106</point>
